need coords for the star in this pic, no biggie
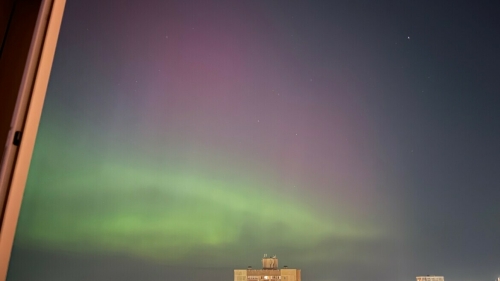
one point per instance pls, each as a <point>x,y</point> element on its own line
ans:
<point>408,37</point>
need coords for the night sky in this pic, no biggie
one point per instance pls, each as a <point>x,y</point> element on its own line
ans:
<point>355,140</point>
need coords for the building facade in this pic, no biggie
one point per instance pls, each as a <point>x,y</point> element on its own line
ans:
<point>269,272</point>
<point>430,278</point>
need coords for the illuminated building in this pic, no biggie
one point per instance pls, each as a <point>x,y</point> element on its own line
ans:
<point>269,271</point>
<point>430,278</point>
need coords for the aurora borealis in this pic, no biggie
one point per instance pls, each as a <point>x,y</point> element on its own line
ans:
<point>187,138</point>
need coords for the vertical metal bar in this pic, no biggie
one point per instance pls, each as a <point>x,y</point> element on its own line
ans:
<point>32,120</point>
<point>22,103</point>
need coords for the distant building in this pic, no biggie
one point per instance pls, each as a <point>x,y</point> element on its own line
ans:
<point>269,272</point>
<point>430,278</point>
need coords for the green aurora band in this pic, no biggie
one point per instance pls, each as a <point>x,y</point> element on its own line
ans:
<point>119,205</point>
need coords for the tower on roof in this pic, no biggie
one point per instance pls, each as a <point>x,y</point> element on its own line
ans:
<point>269,262</point>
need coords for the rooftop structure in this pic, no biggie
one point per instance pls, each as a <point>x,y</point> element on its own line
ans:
<point>269,271</point>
